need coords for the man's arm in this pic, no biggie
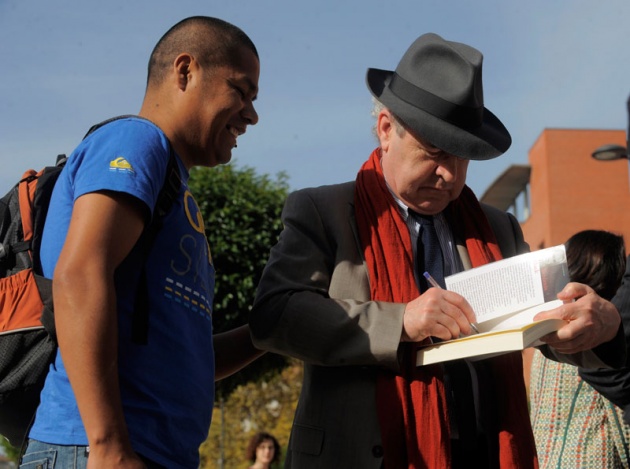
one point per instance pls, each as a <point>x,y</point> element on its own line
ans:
<point>233,350</point>
<point>312,300</point>
<point>103,229</point>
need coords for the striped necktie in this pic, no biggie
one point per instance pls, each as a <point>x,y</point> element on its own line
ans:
<point>429,254</point>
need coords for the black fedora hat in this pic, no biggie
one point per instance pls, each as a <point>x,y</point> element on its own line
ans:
<point>437,92</point>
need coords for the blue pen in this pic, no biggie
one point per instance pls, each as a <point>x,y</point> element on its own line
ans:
<point>434,283</point>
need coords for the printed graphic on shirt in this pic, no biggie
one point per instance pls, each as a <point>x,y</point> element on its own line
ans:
<point>191,299</point>
<point>120,164</point>
<point>195,218</point>
<point>190,280</point>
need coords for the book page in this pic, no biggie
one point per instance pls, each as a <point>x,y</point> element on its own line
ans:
<point>513,284</point>
<point>517,319</point>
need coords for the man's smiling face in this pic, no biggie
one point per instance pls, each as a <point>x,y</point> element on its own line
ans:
<point>220,106</point>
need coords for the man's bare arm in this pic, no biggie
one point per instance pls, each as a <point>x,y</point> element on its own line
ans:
<point>233,351</point>
<point>103,230</point>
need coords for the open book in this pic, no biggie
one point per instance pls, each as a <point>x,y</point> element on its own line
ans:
<point>505,295</point>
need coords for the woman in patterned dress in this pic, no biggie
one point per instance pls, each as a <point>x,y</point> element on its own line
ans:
<point>575,426</point>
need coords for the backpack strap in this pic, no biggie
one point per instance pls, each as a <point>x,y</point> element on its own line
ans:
<point>34,190</point>
<point>107,121</point>
<point>26,192</point>
<point>166,198</point>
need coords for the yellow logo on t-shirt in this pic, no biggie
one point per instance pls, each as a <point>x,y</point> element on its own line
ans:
<point>120,164</point>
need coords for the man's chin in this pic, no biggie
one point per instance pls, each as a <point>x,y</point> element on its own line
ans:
<point>223,158</point>
<point>433,202</point>
<point>430,206</point>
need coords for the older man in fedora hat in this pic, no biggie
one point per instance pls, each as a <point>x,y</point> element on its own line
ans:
<point>343,289</point>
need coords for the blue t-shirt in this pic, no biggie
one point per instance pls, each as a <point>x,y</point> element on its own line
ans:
<point>167,386</point>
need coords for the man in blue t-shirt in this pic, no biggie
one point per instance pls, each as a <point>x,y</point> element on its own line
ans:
<point>108,401</point>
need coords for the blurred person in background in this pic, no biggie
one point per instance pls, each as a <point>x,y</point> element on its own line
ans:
<point>263,451</point>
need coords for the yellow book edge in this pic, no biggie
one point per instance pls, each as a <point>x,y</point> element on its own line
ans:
<point>488,344</point>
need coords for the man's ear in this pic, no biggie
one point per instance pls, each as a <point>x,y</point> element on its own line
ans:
<point>184,65</point>
<point>384,128</point>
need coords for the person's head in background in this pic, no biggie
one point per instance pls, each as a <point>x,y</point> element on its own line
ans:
<point>597,258</point>
<point>263,450</point>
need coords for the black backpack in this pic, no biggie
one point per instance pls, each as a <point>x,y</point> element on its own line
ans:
<point>27,328</point>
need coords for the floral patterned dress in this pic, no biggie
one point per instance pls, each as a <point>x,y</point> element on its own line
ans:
<point>574,426</point>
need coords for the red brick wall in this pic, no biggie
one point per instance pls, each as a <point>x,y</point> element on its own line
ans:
<point>570,191</point>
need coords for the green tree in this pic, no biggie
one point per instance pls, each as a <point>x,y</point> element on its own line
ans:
<point>11,452</point>
<point>241,211</point>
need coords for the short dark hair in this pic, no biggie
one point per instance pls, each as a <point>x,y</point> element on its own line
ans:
<point>212,41</point>
<point>597,258</point>
<point>256,440</point>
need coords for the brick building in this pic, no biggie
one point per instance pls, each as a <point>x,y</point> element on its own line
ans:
<point>564,190</point>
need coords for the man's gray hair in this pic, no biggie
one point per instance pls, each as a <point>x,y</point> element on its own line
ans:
<point>377,107</point>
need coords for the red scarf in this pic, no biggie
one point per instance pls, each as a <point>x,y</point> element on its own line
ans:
<point>412,408</point>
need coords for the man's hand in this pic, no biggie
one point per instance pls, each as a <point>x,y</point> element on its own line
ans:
<point>114,458</point>
<point>437,313</point>
<point>592,320</point>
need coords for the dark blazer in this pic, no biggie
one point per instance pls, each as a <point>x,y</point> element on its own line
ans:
<point>313,303</point>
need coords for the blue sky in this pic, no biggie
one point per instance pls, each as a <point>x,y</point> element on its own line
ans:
<point>548,64</point>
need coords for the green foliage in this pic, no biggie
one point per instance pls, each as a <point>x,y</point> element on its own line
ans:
<point>241,211</point>
<point>11,452</point>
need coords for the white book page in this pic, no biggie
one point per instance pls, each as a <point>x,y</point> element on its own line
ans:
<point>504,287</point>
<point>516,319</point>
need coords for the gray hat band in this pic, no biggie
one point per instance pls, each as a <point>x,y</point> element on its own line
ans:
<point>464,117</point>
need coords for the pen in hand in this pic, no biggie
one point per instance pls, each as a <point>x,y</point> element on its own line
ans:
<point>434,283</point>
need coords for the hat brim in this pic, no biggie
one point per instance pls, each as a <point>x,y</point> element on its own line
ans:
<point>487,141</point>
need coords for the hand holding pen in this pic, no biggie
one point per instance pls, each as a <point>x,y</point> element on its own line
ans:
<point>435,284</point>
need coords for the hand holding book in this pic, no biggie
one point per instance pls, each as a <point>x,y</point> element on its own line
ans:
<point>506,295</point>
<point>591,319</point>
